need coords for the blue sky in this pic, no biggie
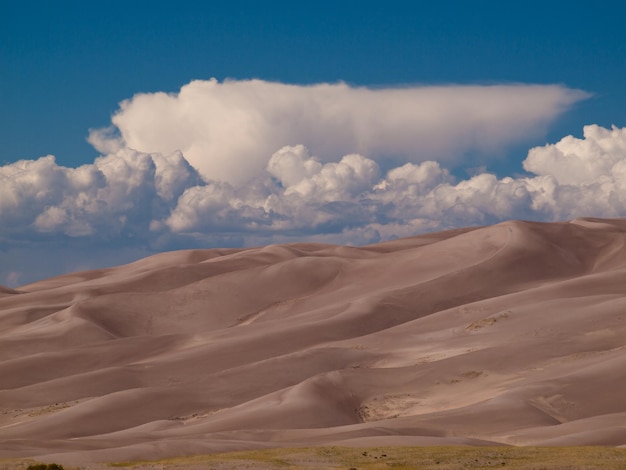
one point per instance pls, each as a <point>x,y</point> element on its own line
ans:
<point>66,66</point>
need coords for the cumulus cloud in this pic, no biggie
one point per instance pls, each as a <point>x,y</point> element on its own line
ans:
<point>161,200</point>
<point>353,198</point>
<point>133,201</point>
<point>118,195</point>
<point>580,161</point>
<point>580,176</point>
<point>227,130</point>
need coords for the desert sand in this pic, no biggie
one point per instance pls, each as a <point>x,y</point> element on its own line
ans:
<point>513,334</point>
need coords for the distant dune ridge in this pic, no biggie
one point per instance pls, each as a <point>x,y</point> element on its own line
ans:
<point>509,334</point>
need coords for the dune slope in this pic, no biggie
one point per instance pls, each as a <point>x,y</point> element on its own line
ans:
<point>509,334</point>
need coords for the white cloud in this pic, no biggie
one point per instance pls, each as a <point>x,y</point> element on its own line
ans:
<point>117,194</point>
<point>310,198</point>
<point>155,199</point>
<point>580,176</point>
<point>579,161</point>
<point>128,203</point>
<point>227,130</point>
<point>290,165</point>
<point>352,175</point>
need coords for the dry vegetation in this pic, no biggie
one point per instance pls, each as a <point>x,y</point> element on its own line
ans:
<point>426,458</point>
<point>440,458</point>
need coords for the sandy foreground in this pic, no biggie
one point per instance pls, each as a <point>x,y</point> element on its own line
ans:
<point>513,334</point>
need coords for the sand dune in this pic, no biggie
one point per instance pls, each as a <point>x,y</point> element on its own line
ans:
<point>509,334</point>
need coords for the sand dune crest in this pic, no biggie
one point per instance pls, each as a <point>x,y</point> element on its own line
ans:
<point>511,334</point>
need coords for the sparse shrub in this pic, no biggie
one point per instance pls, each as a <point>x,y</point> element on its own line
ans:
<point>45,466</point>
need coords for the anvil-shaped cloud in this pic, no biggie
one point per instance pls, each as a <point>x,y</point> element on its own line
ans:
<point>227,130</point>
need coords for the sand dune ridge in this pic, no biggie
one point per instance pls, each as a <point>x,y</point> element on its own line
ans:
<point>509,334</point>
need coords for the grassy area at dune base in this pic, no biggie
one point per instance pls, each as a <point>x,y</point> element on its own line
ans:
<point>399,458</point>
<point>440,458</point>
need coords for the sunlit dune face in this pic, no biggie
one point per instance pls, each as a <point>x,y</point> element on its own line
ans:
<point>508,334</point>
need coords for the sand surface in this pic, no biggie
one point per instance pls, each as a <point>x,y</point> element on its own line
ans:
<point>509,334</point>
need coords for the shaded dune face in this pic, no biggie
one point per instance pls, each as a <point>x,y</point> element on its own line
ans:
<point>510,334</point>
